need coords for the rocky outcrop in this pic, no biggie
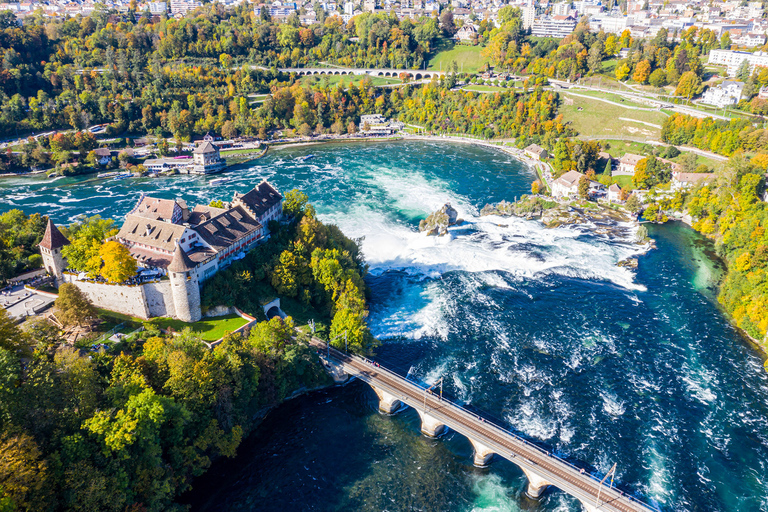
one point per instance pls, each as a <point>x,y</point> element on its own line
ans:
<point>528,207</point>
<point>439,222</point>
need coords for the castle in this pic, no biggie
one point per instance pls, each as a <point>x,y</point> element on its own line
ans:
<point>176,250</point>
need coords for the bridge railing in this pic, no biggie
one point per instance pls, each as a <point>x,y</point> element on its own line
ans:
<point>504,430</point>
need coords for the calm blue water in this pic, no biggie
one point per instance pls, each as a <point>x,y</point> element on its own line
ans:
<point>537,326</point>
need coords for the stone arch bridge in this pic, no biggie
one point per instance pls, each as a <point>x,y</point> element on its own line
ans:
<point>413,74</point>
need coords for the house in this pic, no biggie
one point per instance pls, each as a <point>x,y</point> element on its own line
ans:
<point>206,158</point>
<point>535,152</point>
<point>566,185</point>
<point>727,93</point>
<point>466,33</point>
<point>103,156</point>
<point>763,94</point>
<point>377,124</point>
<point>175,248</point>
<point>685,180</point>
<point>627,165</point>
<point>614,193</point>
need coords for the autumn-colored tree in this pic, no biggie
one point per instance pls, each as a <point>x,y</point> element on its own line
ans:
<point>119,265</point>
<point>72,306</point>
<point>622,71</point>
<point>642,72</point>
<point>689,85</point>
<point>583,187</point>
<point>535,187</point>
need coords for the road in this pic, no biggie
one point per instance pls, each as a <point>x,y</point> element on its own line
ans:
<point>532,458</point>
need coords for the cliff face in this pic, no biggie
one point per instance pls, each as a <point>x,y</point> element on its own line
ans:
<point>438,223</point>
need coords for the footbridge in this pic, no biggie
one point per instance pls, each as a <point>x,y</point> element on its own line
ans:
<point>438,414</point>
<point>394,73</point>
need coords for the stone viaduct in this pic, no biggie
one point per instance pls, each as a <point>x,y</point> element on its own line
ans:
<point>413,74</point>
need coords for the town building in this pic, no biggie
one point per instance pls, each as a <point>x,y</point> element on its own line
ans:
<point>377,124</point>
<point>727,93</point>
<point>206,158</point>
<point>176,250</point>
<point>686,180</point>
<point>627,165</point>
<point>733,59</point>
<point>466,33</point>
<point>554,26</point>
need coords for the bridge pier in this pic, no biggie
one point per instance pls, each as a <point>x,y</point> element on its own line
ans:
<point>483,454</point>
<point>588,507</point>
<point>536,484</point>
<point>429,425</point>
<point>388,403</point>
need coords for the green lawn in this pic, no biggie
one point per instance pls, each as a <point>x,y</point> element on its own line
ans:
<point>486,88</point>
<point>467,58</point>
<point>241,151</point>
<point>597,118</point>
<point>210,329</point>
<point>622,181</point>
<point>620,147</point>
<point>611,97</point>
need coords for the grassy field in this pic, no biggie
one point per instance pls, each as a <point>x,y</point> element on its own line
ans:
<point>622,181</point>
<point>347,80</point>
<point>598,118</point>
<point>467,58</point>
<point>486,88</point>
<point>611,97</point>
<point>620,147</point>
<point>241,151</point>
<point>210,329</point>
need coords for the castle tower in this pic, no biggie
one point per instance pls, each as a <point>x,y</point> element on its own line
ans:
<point>50,250</point>
<point>184,286</point>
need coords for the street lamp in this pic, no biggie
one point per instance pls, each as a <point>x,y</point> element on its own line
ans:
<point>346,344</point>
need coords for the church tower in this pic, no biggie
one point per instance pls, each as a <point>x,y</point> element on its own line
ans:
<point>185,287</point>
<point>50,249</point>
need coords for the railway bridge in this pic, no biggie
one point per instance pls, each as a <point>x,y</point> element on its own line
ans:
<point>437,414</point>
<point>413,74</point>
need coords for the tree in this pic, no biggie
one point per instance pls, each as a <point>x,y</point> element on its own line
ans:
<point>633,204</point>
<point>23,473</point>
<point>225,60</point>
<point>658,78</point>
<point>725,41</point>
<point>72,306</point>
<point>689,162</point>
<point>651,212</point>
<point>743,72</point>
<point>689,85</point>
<point>294,202</point>
<point>229,130</point>
<point>622,71</point>
<point>642,72</point>
<point>305,130</point>
<point>86,236</point>
<point>119,265</point>
<point>535,187</point>
<point>10,335</point>
<point>584,187</point>
<point>351,128</point>
<point>608,168</point>
<point>595,59</point>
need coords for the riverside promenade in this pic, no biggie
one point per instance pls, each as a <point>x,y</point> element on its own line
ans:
<point>541,467</point>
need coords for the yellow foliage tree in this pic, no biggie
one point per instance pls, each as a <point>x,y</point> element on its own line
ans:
<point>622,72</point>
<point>535,187</point>
<point>118,263</point>
<point>642,72</point>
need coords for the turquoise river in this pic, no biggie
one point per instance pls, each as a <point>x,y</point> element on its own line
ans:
<point>538,327</point>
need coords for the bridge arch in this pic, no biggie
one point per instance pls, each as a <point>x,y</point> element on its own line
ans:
<point>418,76</point>
<point>336,73</point>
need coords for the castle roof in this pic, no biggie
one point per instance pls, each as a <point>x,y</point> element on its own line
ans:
<point>205,147</point>
<point>180,262</point>
<point>151,232</point>
<point>227,228</point>
<point>203,213</point>
<point>53,239</point>
<point>258,200</point>
<point>162,209</point>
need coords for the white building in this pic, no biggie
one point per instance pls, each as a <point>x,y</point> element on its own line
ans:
<point>555,26</point>
<point>727,93</point>
<point>158,8</point>
<point>733,59</point>
<point>184,6</point>
<point>614,193</point>
<point>377,124</point>
<point>566,185</point>
<point>627,164</point>
<point>685,180</point>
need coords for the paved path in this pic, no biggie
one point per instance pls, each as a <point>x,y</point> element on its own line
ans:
<point>505,444</point>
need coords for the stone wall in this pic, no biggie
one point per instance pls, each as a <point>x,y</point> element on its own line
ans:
<point>129,300</point>
<point>159,299</point>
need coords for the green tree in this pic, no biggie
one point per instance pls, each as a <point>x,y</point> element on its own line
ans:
<point>658,78</point>
<point>294,202</point>
<point>689,85</point>
<point>11,338</point>
<point>583,187</point>
<point>633,204</point>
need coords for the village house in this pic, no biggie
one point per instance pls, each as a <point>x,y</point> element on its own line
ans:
<point>686,180</point>
<point>614,193</point>
<point>566,185</point>
<point>466,33</point>
<point>103,156</point>
<point>627,165</point>
<point>176,249</point>
<point>535,152</point>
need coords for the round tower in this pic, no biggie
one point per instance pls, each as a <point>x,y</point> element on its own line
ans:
<point>50,249</point>
<point>185,286</point>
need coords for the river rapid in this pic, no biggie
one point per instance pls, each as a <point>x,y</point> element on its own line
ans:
<point>539,327</point>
